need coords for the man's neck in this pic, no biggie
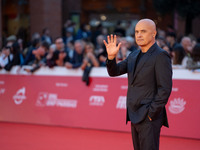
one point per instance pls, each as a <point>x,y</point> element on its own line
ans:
<point>144,49</point>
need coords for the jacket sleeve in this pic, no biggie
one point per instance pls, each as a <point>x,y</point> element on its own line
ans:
<point>163,75</point>
<point>115,69</point>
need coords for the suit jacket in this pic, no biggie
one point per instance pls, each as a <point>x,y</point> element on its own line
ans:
<point>149,85</point>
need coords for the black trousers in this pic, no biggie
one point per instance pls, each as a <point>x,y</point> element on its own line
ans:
<point>146,135</point>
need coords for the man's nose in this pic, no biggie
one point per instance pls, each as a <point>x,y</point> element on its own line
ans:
<point>139,34</point>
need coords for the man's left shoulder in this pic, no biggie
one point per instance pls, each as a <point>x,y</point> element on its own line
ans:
<point>161,52</point>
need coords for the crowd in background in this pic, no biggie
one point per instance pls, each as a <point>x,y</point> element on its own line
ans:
<point>85,49</point>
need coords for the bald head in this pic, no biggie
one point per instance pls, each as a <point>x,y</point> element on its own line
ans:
<point>148,23</point>
<point>145,33</point>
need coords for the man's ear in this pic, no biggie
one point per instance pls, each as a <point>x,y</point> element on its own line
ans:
<point>154,34</point>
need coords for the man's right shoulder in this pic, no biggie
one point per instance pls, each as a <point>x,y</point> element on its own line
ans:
<point>134,52</point>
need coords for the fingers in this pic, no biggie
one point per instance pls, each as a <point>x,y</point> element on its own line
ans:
<point>111,38</point>
<point>118,47</point>
<point>115,39</point>
<point>105,43</point>
<point>108,39</point>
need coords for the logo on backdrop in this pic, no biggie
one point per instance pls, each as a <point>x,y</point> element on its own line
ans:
<point>100,88</point>
<point>121,103</point>
<point>2,82</point>
<point>124,87</point>
<point>177,105</point>
<point>51,99</point>
<point>59,84</point>
<point>96,100</point>
<point>2,91</point>
<point>19,97</point>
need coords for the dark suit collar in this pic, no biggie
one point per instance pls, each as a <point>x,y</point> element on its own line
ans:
<point>144,59</point>
<point>151,49</point>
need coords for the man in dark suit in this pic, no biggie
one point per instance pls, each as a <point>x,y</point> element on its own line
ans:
<point>149,84</point>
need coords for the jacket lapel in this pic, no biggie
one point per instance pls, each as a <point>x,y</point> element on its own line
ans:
<point>133,62</point>
<point>143,60</point>
<point>133,59</point>
<point>140,64</point>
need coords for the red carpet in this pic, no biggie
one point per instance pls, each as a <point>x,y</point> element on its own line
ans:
<point>35,137</point>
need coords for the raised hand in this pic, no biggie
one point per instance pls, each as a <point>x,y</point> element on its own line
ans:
<point>111,47</point>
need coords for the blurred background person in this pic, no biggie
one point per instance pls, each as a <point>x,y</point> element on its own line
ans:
<point>49,57</point>
<point>196,53</point>
<point>171,40</point>
<point>89,61</point>
<point>29,56</point>
<point>68,36</point>
<point>70,49</point>
<point>68,26</point>
<point>99,45</point>
<point>10,40</point>
<point>123,51</point>
<point>59,58</point>
<point>59,54</point>
<point>34,36</point>
<point>77,58</point>
<point>5,56</point>
<point>21,49</point>
<point>40,57</point>
<point>162,44</point>
<point>59,44</point>
<point>52,49</point>
<point>83,32</point>
<point>17,57</point>
<point>177,55</point>
<point>102,57</point>
<point>89,57</point>
<point>46,36</point>
<point>131,43</point>
<point>98,31</point>
<point>194,62</point>
<point>186,43</point>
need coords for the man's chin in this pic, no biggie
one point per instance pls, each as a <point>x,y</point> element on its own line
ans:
<point>141,44</point>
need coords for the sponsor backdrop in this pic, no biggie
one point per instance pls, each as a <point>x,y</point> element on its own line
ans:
<point>67,101</point>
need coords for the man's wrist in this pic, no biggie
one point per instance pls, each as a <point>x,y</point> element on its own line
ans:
<point>111,57</point>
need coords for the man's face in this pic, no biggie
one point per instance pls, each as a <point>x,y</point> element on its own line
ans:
<point>88,49</point>
<point>144,34</point>
<point>187,44</point>
<point>62,55</point>
<point>59,44</point>
<point>78,48</point>
<point>6,51</point>
<point>124,43</point>
<point>39,52</point>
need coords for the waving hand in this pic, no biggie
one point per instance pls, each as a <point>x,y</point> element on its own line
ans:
<point>111,47</point>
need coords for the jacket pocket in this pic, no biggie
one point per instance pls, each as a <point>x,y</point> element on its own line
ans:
<point>146,101</point>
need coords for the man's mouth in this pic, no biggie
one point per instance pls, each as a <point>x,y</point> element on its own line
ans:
<point>139,39</point>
